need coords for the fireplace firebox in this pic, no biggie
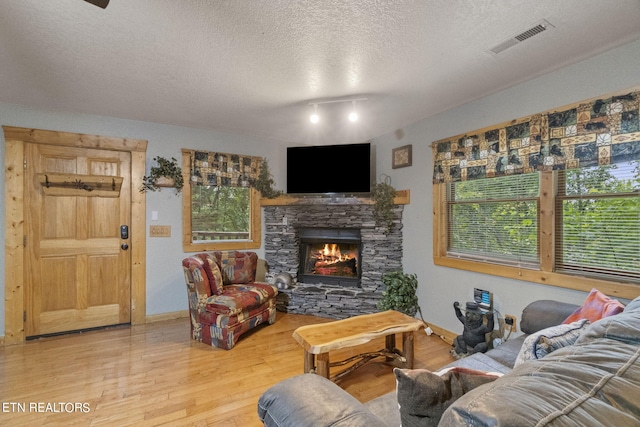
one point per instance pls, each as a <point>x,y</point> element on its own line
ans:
<point>330,256</point>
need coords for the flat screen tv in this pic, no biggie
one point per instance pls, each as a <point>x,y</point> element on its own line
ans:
<point>319,169</point>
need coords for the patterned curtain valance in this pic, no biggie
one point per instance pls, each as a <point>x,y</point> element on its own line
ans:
<point>595,132</point>
<point>223,169</point>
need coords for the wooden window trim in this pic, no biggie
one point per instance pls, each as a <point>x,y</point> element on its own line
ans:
<point>255,236</point>
<point>545,275</point>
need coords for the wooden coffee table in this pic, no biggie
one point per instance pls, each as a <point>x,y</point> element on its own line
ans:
<point>318,340</point>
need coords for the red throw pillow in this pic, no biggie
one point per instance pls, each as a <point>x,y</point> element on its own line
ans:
<point>595,307</point>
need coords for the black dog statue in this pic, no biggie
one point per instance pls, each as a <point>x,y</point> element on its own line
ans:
<point>473,338</point>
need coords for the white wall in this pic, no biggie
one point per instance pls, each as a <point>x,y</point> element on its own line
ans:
<point>165,280</point>
<point>439,287</point>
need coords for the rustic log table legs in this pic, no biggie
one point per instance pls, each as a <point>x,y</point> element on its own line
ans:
<point>318,340</point>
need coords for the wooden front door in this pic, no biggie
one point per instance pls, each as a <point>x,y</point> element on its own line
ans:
<point>78,265</point>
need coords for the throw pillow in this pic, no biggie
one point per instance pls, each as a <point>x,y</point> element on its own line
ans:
<point>237,267</point>
<point>595,307</point>
<point>196,272</point>
<point>213,274</point>
<point>538,345</point>
<point>424,395</point>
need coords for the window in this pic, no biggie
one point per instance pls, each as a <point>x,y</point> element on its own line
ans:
<point>578,228</point>
<point>220,213</point>
<point>495,220</point>
<point>224,216</point>
<point>598,223</point>
<point>586,156</point>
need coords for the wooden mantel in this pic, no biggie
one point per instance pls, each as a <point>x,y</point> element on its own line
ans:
<point>402,198</point>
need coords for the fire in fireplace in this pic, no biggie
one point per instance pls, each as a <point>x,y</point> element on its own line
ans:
<point>330,259</point>
<point>330,256</point>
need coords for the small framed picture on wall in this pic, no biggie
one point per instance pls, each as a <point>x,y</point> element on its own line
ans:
<point>401,157</point>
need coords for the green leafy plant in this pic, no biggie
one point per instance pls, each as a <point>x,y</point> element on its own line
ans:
<point>383,194</point>
<point>165,169</point>
<point>400,293</point>
<point>264,183</point>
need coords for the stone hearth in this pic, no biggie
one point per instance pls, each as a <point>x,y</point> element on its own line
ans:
<point>381,252</point>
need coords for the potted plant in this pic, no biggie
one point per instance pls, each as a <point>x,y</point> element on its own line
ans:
<point>383,194</point>
<point>166,174</point>
<point>400,294</point>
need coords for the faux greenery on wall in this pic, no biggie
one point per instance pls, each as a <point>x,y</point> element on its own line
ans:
<point>264,183</point>
<point>383,194</point>
<point>165,168</point>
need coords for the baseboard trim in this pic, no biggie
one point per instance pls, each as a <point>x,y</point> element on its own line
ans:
<point>446,335</point>
<point>167,316</point>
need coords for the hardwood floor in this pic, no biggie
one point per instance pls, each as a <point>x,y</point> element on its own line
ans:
<point>155,375</point>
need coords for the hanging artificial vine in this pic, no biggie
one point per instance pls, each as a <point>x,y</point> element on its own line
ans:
<point>383,194</point>
<point>264,183</point>
<point>165,169</point>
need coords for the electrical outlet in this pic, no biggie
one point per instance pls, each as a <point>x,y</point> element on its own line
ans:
<point>160,231</point>
<point>510,322</point>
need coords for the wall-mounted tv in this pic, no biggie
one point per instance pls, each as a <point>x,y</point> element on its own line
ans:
<point>318,169</point>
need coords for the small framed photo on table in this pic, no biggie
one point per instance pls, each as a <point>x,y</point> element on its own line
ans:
<point>401,157</point>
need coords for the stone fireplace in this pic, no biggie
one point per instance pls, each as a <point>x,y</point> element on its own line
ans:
<point>295,239</point>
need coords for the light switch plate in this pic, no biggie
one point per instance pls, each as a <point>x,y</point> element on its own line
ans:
<point>160,231</point>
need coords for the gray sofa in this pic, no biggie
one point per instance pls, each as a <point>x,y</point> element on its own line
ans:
<point>595,381</point>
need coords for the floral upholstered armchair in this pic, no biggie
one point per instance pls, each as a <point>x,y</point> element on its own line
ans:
<point>225,301</point>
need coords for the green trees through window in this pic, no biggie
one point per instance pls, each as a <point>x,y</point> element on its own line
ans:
<point>599,220</point>
<point>596,227</point>
<point>495,220</point>
<point>220,213</point>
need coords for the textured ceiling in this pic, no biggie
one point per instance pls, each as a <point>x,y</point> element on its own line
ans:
<point>252,67</point>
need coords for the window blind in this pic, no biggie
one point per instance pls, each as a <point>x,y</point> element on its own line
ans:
<point>495,220</point>
<point>598,221</point>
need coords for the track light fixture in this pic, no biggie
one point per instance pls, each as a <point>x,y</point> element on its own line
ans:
<point>314,117</point>
<point>353,115</point>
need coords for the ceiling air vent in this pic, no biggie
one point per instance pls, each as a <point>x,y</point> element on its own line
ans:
<point>536,29</point>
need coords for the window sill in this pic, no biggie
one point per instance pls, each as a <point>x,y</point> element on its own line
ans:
<point>220,246</point>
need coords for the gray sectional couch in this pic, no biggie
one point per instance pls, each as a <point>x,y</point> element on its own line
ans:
<point>595,381</point>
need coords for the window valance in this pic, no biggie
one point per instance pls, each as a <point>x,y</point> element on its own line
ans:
<point>594,132</point>
<point>223,169</point>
